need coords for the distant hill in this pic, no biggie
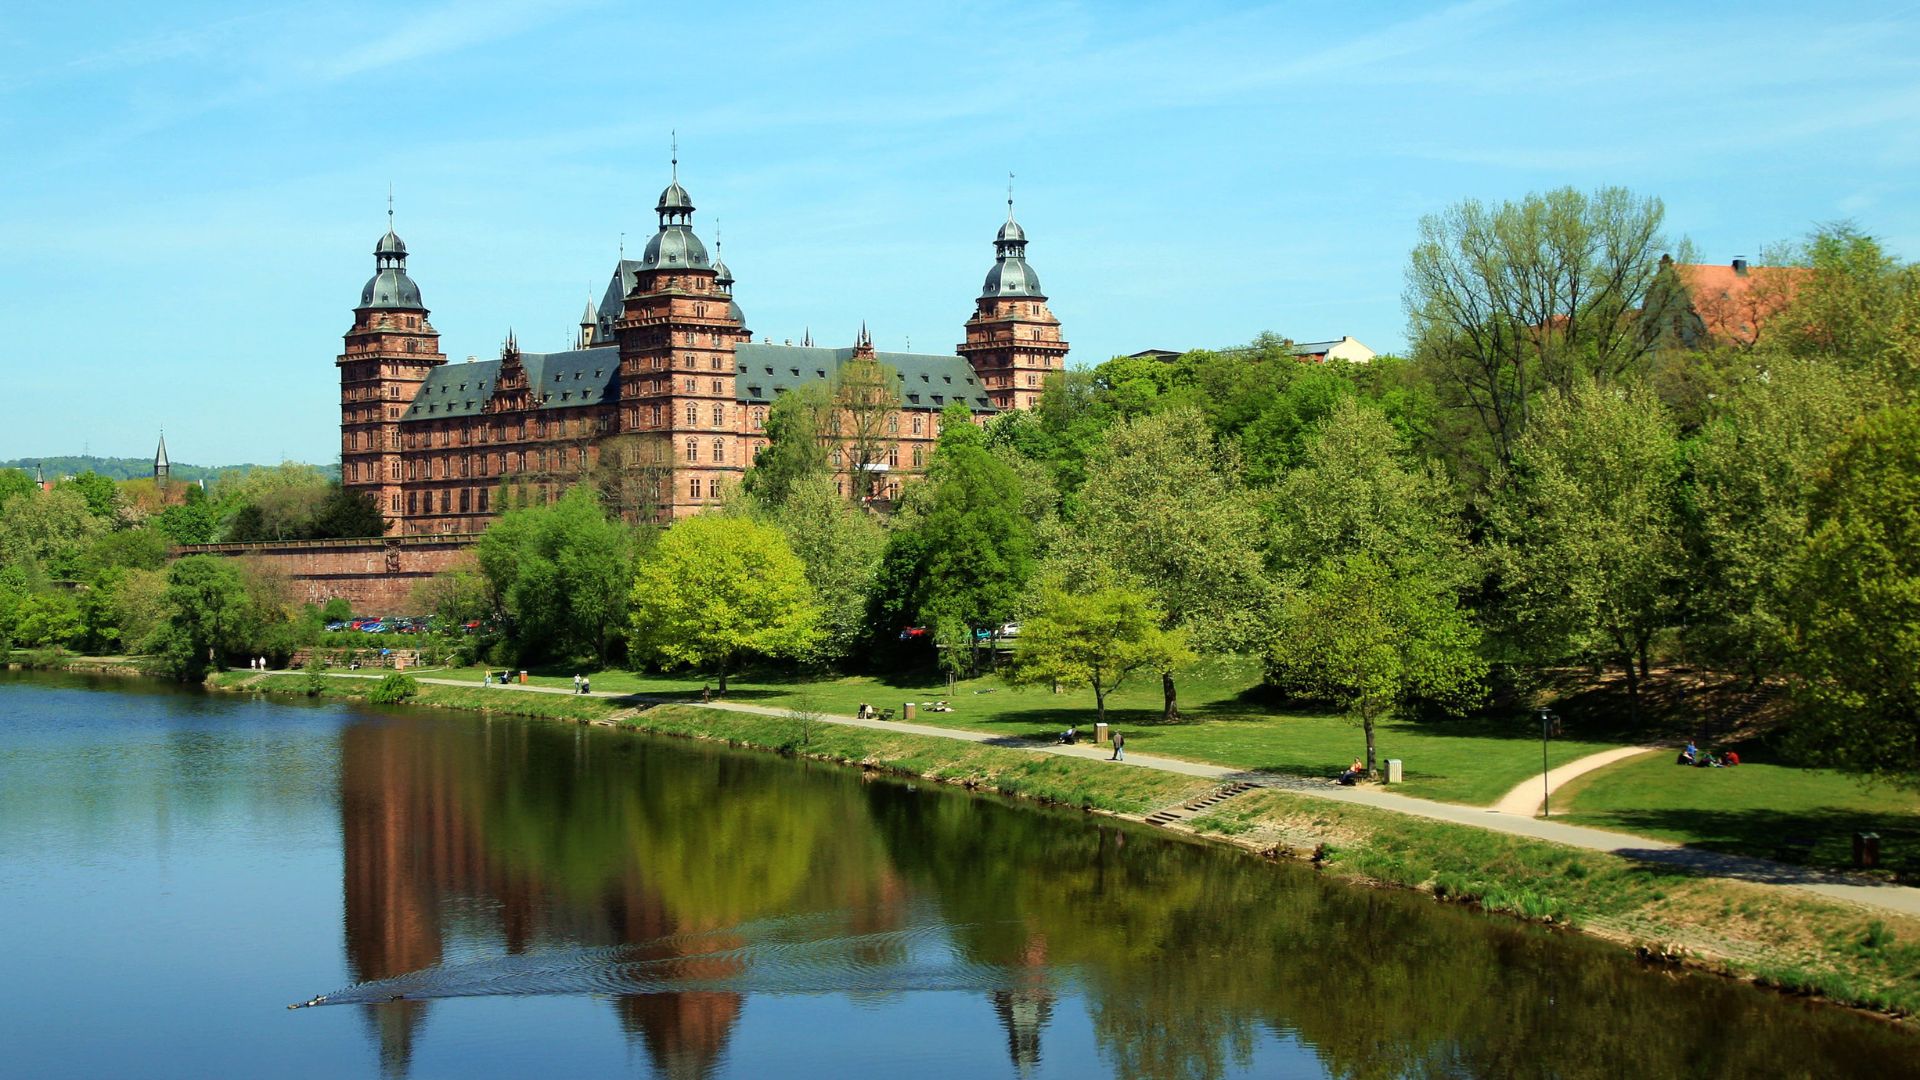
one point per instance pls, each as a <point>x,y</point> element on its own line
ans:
<point>126,468</point>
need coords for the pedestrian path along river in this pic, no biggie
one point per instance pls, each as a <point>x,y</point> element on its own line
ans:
<point>1899,899</point>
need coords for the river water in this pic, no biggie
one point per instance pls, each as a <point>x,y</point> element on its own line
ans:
<point>512,898</point>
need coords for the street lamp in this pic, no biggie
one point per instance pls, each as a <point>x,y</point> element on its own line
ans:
<point>1549,723</point>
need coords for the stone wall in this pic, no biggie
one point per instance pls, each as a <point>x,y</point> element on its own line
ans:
<point>375,575</point>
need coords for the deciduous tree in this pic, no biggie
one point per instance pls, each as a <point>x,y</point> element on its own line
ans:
<point>718,589</point>
<point>1095,639</point>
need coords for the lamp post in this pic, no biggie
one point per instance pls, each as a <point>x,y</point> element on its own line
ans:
<point>1548,721</point>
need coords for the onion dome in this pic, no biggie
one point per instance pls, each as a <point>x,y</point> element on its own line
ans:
<point>675,197</point>
<point>390,287</point>
<point>1011,276</point>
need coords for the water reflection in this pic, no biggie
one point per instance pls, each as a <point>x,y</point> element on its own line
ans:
<point>500,857</point>
<point>686,911</point>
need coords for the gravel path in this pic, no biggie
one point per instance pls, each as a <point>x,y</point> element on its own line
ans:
<point>1526,798</point>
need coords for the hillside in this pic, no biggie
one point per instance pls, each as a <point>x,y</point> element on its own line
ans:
<point>127,468</point>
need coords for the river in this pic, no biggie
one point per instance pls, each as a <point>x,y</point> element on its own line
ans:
<point>490,897</point>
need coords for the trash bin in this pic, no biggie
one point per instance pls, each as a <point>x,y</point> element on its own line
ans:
<point>1866,850</point>
<point>906,710</point>
<point>1393,770</point>
<point>523,678</point>
<point>1100,733</point>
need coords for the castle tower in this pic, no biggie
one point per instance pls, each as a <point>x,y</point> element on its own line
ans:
<point>388,354</point>
<point>160,465</point>
<point>1013,340</point>
<point>676,332</point>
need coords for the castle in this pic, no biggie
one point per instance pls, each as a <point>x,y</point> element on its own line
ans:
<point>662,403</point>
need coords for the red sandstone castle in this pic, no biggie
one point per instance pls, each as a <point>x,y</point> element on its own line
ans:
<point>663,401</point>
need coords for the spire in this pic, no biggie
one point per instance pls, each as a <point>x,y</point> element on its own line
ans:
<point>674,134</point>
<point>160,465</point>
<point>806,338</point>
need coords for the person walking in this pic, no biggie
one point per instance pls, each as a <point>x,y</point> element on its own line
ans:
<point>586,684</point>
<point>1119,747</point>
<point>576,684</point>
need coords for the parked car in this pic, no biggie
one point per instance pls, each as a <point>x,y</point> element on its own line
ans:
<point>1010,630</point>
<point>335,626</point>
<point>913,633</point>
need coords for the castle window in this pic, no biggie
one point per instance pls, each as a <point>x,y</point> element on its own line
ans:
<point>466,499</point>
<point>446,501</point>
<point>716,365</point>
<point>719,415</point>
<point>693,413</point>
<point>413,503</point>
<point>893,424</point>
<point>409,470</point>
<point>692,387</point>
<point>893,457</point>
<point>484,500</point>
<point>716,386</point>
<point>918,422</point>
<point>713,487</point>
<point>394,472</point>
<point>394,502</point>
<point>693,450</point>
<point>759,419</point>
<point>693,487</point>
<point>919,457</point>
<point>719,451</point>
<point>838,458</point>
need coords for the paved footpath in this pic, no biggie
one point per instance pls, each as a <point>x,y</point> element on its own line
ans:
<point>1899,899</point>
<point>1528,796</point>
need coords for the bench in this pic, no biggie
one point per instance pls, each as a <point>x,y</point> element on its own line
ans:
<point>886,714</point>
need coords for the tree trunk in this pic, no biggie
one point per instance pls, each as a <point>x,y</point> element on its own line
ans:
<point>1366,722</point>
<point>1099,702</point>
<point>723,678</point>
<point>1172,712</point>
<point>1633,689</point>
<point>1645,670</point>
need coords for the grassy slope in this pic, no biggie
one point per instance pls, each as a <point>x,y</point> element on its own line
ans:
<point>1757,809</point>
<point>1471,762</point>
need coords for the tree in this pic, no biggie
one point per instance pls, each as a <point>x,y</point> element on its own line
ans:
<point>207,615</point>
<point>562,573</point>
<point>1856,612</point>
<point>865,395</point>
<point>840,546</point>
<point>1161,509</point>
<point>101,493</point>
<point>47,619</point>
<point>1504,302</point>
<point>1358,490</point>
<point>338,609</point>
<point>1373,638</point>
<point>1755,468</point>
<point>972,549</point>
<point>190,523</point>
<point>15,482</point>
<point>795,452</point>
<point>1587,547</point>
<point>345,514</point>
<point>1095,639</point>
<point>718,589</point>
<point>49,531</point>
<point>1858,307</point>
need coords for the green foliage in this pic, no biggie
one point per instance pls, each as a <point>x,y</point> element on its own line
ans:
<point>794,453</point>
<point>47,620</point>
<point>970,553</point>
<point>15,482</point>
<point>315,679</point>
<point>48,532</point>
<point>840,545</point>
<point>1095,639</point>
<point>1755,468</point>
<point>190,523</point>
<point>1859,308</point>
<point>1508,301</point>
<point>394,688</point>
<point>1588,548</point>
<point>208,616</point>
<point>562,573</point>
<point>337,609</point>
<point>1373,637</point>
<point>1856,607</point>
<point>345,514</point>
<point>102,495</point>
<point>140,549</point>
<point>718,589</point>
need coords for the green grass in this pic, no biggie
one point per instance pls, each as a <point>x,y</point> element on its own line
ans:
<point>1227,722</point>
<point>1771,811</point>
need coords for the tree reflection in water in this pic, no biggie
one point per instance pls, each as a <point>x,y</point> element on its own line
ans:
<point>468,839</point>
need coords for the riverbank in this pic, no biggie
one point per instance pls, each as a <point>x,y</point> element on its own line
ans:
<point>1796,943</point>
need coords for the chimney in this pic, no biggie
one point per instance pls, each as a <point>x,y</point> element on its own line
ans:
<point>1740,266</point>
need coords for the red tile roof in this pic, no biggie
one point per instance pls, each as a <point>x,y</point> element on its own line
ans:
<point>1733,305</point>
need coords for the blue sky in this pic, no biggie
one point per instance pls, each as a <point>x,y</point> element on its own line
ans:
<point>192,192</point>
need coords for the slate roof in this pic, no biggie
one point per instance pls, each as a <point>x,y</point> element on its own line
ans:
<point>564,380</point>
<point>762,370</point>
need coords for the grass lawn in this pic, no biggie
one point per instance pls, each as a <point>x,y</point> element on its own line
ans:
<point>1227,723</point>
<point>1773,811</point>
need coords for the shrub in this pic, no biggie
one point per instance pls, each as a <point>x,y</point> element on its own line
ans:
<point>394,689</point>
<point>316,683</point>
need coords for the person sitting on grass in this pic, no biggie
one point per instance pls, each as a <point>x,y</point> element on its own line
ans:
<point>1689,756</point>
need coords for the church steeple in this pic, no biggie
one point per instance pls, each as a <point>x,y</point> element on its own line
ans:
<point>1013,340</point>
<point>160,464</point>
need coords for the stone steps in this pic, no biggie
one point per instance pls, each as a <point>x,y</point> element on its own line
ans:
<point>1198,806</point>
